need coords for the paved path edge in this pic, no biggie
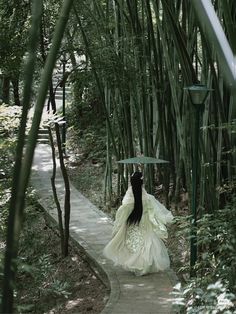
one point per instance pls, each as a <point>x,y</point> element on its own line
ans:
<point>103,272</point>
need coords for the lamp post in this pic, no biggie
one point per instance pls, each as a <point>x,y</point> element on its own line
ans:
<point>198,94</point>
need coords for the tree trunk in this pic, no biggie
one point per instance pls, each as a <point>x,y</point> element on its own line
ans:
<point>6,90</point>
<point>67,192</point>
<point>15,84</point>
<point>53,177</point>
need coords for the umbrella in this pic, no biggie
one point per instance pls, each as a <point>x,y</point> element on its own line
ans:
<point>143,160</point>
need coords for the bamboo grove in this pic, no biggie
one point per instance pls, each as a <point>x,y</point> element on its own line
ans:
<point>142,55</point>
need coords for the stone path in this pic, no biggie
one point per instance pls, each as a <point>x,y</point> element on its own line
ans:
<point>91,229</point>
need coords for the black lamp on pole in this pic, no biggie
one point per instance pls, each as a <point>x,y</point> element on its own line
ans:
<point>198,94</point>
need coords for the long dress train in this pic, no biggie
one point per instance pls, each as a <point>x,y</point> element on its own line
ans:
<point>140,248</point>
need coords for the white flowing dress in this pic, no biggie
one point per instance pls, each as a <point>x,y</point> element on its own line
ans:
<point>139,248</point>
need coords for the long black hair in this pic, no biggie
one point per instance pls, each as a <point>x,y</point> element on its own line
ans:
<point>136,183</point>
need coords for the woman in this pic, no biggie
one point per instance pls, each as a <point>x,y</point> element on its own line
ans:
<point>138,231</point>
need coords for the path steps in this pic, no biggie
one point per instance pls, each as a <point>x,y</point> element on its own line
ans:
<point>92,229</point>
<point>43,136</point>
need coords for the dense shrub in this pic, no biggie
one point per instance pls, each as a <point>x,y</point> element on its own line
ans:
<point>213,290</point>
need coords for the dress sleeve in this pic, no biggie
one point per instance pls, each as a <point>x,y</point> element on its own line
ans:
<point>160,212</point>
<point>159,216</point>
<point>121,217</point>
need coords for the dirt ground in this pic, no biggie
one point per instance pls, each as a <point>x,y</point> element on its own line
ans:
<point>48,283</point>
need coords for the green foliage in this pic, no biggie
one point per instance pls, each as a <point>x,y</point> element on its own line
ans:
<point>214,288</point>
<point>36,265</point>
<point>9,121</point>
<point>43,271</point>
<point>51,11</point>
<point>14,16</point>
<point>195,299</point>
<point>57,287</point>
<point>85,93</point>
<point>1,267</point>
<point>5,198</point>
<point>217,242</point>
<point>88,133</point>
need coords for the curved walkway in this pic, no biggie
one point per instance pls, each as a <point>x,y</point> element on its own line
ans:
<point>91,229</point>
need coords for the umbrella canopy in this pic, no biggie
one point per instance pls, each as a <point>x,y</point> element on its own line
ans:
<point>143,160</point>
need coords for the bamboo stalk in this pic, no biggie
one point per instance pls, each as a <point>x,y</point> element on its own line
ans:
<point>12,238</point>
<point>155,51</point>
<point>21,186</point>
